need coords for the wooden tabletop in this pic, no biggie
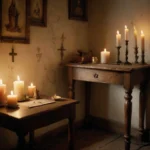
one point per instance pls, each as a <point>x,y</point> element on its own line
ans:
<point>113,67</point>
<point>24,111</point>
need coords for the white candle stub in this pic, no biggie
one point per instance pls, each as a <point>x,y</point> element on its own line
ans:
<point>11,100</point>
<point>31,90</point>
<point>2,92</point>
<point>105,56</point>
<point>19,89</point>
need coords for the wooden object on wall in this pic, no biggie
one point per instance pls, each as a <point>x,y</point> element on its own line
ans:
<point>13,54</point>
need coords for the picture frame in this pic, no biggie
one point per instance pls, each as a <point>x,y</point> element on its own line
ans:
<point>15,21</point>
<point>38,10</point>
<point>77,10</point>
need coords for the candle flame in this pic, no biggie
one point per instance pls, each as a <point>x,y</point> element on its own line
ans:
<point>18,78</point>
<point>31,84</point>
<point>125,27</point>
<point>142,33</point>
<point>105,50</point>
<point>11,92</point>
<point>117,32</point>
<point>1,81</point>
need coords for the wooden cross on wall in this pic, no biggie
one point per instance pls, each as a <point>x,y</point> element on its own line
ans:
<point>62,48</point>
<point>13,54</point>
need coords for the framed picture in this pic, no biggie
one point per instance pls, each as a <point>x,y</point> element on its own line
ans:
<point>38,12</point>
<point>14,21</point>
<point>77,9</point>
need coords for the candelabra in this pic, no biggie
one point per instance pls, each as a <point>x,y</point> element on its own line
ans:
<point>118,62</point>
<point>143,57</point>
<point>136,55</point>
<point>126,53</point>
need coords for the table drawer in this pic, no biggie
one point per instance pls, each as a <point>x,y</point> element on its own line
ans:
<point>95,75</point>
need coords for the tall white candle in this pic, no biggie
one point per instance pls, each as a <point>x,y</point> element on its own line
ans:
<point>31,90</point>
<point>11,100</point>
<point>142,41</point>
<point>126,32</point>
<point>19,89</point>
<point>118,39</point>
<point>135,36</point>
<point>105,56</point>
<point>2,91</point>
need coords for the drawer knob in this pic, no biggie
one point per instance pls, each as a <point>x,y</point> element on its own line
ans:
<point>95,75</point>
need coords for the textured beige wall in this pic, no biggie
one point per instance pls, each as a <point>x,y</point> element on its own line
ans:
<point>105,18</point>
<point>46,73</point>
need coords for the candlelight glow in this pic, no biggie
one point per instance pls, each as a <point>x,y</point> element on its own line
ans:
<point>31,84</point>
<point>125,27</point>
<point>11,93</point>
<point>105,50</point>
<point>142,33</point>
<point>1,81</point>
<point>18,78</point>
<point>117,32</point>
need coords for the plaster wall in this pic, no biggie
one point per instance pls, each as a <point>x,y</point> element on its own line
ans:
<point>105,18</point>
<point>45,71</point>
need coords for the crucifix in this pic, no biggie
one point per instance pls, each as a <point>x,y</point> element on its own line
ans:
<point>13,54</point>
<point>62,48</point>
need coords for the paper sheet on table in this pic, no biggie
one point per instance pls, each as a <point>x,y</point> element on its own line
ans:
<point>39,102</point>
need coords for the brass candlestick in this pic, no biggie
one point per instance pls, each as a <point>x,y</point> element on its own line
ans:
<point>143,57</point>
<point>118,62</point>
<point>126,53</point>
<point>136,55</point>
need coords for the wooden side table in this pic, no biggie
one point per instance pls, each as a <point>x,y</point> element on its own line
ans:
<point>126,75</point>
<point>25,120</point>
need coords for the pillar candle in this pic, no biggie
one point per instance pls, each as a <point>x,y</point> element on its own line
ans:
<point>11,100</point>
<point>135,37</point>
<point>105,56</point>
<point>142,41</point>
<point>118,39</point>
<point>19,89</point>
<point>126,32</point>
<point>2,91</point>
<point>31,90</point>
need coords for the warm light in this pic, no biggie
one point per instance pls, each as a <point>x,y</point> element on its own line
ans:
<point>104,49</point>
<point>12,93</point>
<point>0,81</point>
<point>31,84</point>
<point>142,34</point>
<point>117,32</point>
<point>125,27</point>
<point>18,78</point>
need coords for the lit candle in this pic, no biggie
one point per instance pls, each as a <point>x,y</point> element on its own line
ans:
<point>142,41</point>
<point>2,91</point>
<point>31,90</point>
<point>19,89</point>
<point>11,100</point>
<point>135,36</point>
<point>105,56</point>
<point>118,39</point>
<point>126,33</point>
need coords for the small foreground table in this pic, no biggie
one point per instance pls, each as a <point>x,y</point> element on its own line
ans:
<point>25,120</point>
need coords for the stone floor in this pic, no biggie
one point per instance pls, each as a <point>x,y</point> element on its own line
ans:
<point>89,139</point>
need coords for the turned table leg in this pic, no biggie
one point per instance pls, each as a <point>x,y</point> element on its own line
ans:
<point>142,109</point>
<point>127,117</point>
<point>21,141</point>
<point>87,102</point>
<point>31,139</point>
<point>71,139</point>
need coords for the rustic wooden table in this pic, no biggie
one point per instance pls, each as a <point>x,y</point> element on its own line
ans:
<point>126,75</point>
<point>25,120</point>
